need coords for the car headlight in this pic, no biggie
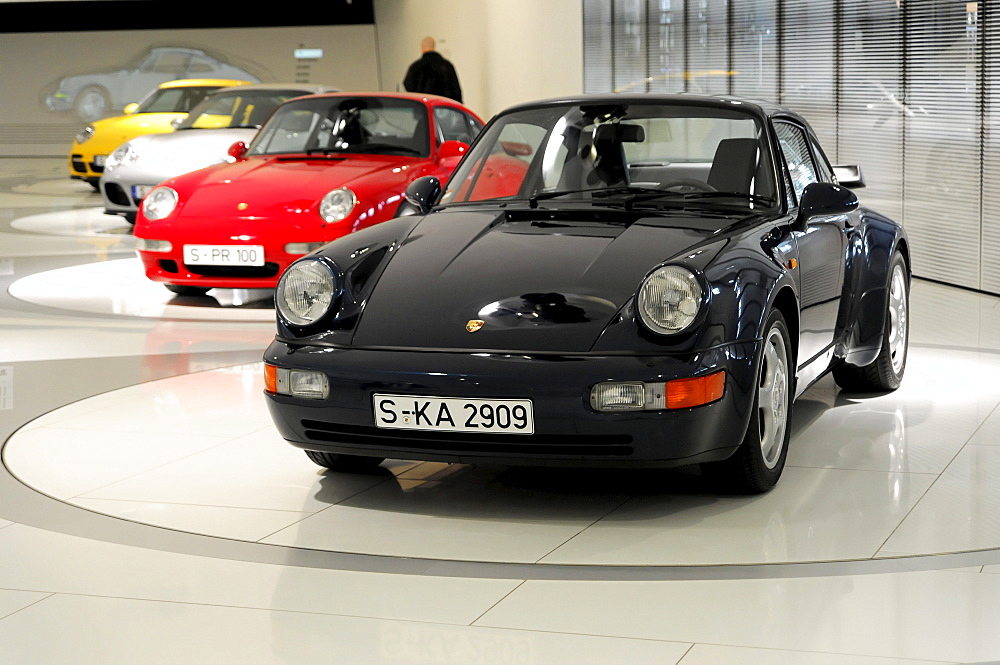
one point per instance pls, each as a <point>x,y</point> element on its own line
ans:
<point>159,203</point>
<point>85,134</point>
<point>305,292</point>
<point>123,155</point>
<point>670,299</point>
<point>337,204</point>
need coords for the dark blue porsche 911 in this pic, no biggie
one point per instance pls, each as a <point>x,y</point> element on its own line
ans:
<point>605,280</point>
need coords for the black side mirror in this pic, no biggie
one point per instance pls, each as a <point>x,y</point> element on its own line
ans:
<point>419,196</point>
<point>825,198</point>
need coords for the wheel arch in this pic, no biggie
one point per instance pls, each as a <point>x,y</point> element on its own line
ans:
<point>786,303</point>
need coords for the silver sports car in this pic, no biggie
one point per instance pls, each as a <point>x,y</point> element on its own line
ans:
<point>201,139</point>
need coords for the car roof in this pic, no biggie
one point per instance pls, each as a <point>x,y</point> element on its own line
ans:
<point>415,96</point>
<point>757,107</point>
<point>306,88</point>
<point>191,83</point>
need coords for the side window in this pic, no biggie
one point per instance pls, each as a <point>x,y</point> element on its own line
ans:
<point>171,63</point>
<point>825,172</point>
<point>452,125</point>
<point>474,125</point>
<point>502,171</point>
<point>795,148</point>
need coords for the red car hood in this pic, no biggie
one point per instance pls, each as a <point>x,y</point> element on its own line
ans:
<point>269,187</point>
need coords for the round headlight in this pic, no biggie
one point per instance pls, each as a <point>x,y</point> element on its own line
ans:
<point>337,205</point>
<point>669,299</point>
<point>159,203</point>
<point>305,291</point>
<point>85,134</point>
<point>123,155</point>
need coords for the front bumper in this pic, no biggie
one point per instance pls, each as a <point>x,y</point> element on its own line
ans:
<point>86,166</point>
<point>169,268</point>
<point>568,432</point>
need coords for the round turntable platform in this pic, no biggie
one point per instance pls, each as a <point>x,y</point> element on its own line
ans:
<point>913,472</point>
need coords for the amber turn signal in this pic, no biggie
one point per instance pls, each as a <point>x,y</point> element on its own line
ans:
<point>687,393</point>
<point>270,378</point>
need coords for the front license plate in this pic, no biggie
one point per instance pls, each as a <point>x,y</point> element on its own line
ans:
<point>224,255</point>
<point>454,414</point>
<point>139,191</point>
<point>100,159</point>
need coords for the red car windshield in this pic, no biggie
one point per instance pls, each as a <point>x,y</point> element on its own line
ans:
<point>365,125</point>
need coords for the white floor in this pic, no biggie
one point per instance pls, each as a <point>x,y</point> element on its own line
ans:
<point>149,513</point>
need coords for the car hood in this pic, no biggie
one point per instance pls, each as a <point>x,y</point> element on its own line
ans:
<point>538,284</point>
<point>171,154</point>
<point>110,133</point>
<point>275,187</point>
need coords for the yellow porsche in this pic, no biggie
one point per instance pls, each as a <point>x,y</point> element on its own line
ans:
<point>155,114</point>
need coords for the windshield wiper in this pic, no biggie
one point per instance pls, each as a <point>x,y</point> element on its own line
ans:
<point>752,198</point>
<point>600,191</point>
<point>366,148</point>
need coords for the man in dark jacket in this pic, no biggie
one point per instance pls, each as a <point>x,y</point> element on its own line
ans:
<point>432,74</point>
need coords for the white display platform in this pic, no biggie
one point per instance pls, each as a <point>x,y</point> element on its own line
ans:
<point>75,222</point>
<point>914,472</point>
<point>121,288</point>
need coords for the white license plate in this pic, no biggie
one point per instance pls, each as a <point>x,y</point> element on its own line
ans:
<point>454,414</point>
<point>139,191</point>
<point>100,159</point>
<point>224,255</point>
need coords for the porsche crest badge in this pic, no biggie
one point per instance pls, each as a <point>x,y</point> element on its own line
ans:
<point>474,324</point>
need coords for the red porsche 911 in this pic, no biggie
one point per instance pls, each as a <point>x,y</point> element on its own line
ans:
<point>321,167</point>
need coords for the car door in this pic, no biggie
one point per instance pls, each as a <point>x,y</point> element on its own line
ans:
<point>822,244</point>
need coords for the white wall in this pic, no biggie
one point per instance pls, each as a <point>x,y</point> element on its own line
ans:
<point>505,51</point>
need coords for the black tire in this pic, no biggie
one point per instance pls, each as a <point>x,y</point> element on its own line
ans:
<point>338,462</point>
<point>186,290</point>
<point>757,464</point>
<point>130,217</point>
<point>885,373</point>
<point>95,183</point>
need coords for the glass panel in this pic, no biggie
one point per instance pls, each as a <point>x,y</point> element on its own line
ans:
<point>941,195</point>
<point>598,59</point>
<point>808,65</point>
<point>666,52</point>
<point>796,151</point>
<point>708,47</point>
<point>871,108</point>
<point>630,45</point>
<point>755,49</point>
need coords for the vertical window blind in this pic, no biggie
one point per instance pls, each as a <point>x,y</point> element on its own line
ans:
<point>908,89</point>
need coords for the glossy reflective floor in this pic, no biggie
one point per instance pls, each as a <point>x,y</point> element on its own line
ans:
<point>150,514</point>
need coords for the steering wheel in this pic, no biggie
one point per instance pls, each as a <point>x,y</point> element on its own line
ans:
<point>685,185</point>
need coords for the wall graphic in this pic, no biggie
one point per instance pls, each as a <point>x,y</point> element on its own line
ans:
<point>98,94</point>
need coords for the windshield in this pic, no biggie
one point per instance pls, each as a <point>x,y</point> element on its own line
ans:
<point>329,125</point>
<point>174,100</point>
<point>647,153</point>
<point>237,108</point>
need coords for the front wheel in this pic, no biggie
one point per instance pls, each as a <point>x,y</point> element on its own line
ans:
<point>885,373</point>
<point>757,464</point>
<point>338,462</point>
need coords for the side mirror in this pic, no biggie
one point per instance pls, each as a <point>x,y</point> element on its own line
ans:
<point>131,108</point>
<point>237,151</point>
<point>516,149</point>
<point>849,176</point>
<point>825,198</point>
<point>450,153</point>
<point>420,195</point>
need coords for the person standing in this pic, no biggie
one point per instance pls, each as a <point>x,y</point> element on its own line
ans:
<point>432,74</point>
